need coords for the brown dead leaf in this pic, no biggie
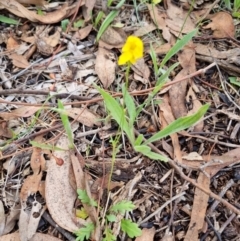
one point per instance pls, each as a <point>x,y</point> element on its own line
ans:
<point>147,234</point>
<point>29,220</point>
<point>85,116</point>
<point>12,44</point>
<point>33,2</point>
<point>83,32</point>
<point>19,61</point>
<point>36,237</point>
<point>105,67</point>
<point>196,105</point>
<point>167,118</point>
<point>30,186</point>
<point>113,38</point>
<point>2,218</point>
<point>177,93</point>
<point>199,208</point>
<point>222,25</point>
<point>4,130</point>
<point>141,71</point>
<point>148,28</point>
<point>20,112</point>
<point>60,196</point>
<point>159,19</point>
<point>178,20</point>
<point>52,17</point>
<point>87,10</point>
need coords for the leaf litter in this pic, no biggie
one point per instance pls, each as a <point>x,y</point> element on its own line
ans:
<point>39,55</point>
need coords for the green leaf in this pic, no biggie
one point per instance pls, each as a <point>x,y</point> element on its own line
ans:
<point>64,24</point>
<point>122,207</point>
<point>117,113</point>
<point>4,19</point>
<point>111,16</point>
<point>111,218</point>
<point>131,107</point>
<point>109,235</point>
<point>139,140</point>
<point>82,195</point>
<point>130,228</point>
<point>146,151</point>
<point>66,124</point>
<point>179,124</point>
<point>154,59</point>
<point>233,80</point>
<point>85,232</point>
<point>106,23</point>
<point>178,46</point>
<point>98,18</point>
<point>78,24</point>
<point>46,146</point>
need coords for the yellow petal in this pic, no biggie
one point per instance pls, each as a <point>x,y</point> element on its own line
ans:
<point>124,58</point>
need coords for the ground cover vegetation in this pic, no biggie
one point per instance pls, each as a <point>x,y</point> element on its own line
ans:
<point>119,120</point>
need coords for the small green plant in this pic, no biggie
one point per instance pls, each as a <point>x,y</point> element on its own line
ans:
<point>108,20</point>
<point>126,118</point>
<point>127,226</point>
<point>5,19</point>
<point>233,6</point>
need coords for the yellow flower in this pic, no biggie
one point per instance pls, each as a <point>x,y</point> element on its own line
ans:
<point>131,51</point>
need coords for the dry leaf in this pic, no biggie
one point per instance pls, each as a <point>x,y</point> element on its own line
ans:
<point>20,112</point>
<point>178,19</point>
<point>36,237</point>
<point>147,234</point>
<point>167,118</point>
<point>52,17</point>
<point>12,44</point>
<point>222,25</point>
<point>84,116</point>
<point>199,208</point>
<point>87,9</point>
<point>60,196</point>
<point>33,2</point>
<point>148,28</point>
<point>2,218</point>
<point>83,32</point>
<point>159,20</point>
<point>141,71</point>
<point>30,186</point>
<point>4,130</point>
<point>11,219</point>
<point>177,93</point>
<point>19,61</point>
<point>29,220</point>
<point>105,67</point>
<point>113,37</point>
<point>196,105</point>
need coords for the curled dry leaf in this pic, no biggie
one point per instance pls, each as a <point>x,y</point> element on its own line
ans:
<point>105,67</point>
<point>222,25</point>
<point>87,9</point>
<point>52,17</point>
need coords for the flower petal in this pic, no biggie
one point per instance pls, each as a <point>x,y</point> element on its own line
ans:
<point>124,58</point>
